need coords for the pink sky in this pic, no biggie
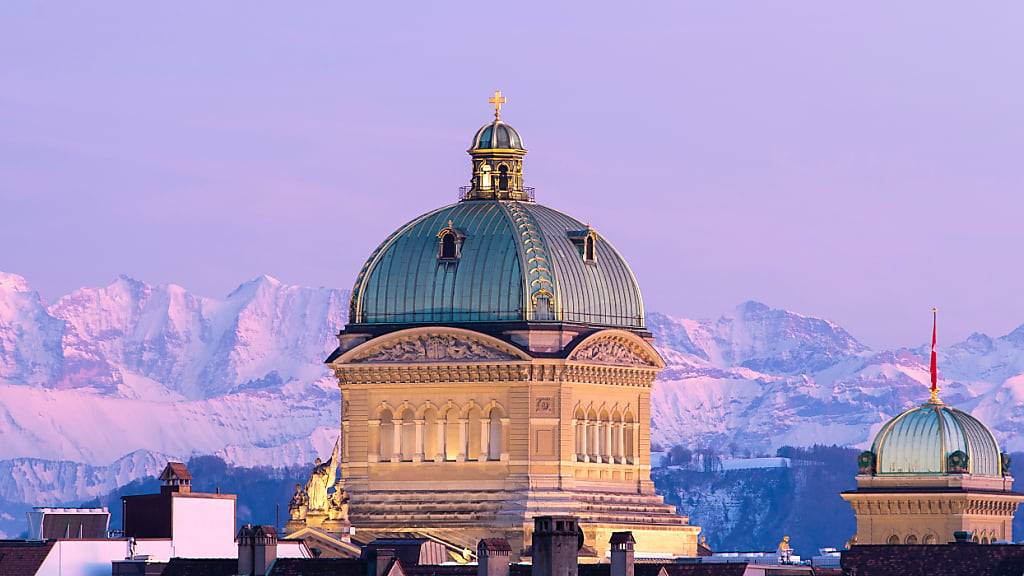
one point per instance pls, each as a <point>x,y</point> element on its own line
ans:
<point>855,161</point>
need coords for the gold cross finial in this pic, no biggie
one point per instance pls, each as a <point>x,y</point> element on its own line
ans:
<point>497,100</point>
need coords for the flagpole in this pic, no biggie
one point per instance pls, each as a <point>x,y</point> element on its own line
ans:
<point>934,369</point>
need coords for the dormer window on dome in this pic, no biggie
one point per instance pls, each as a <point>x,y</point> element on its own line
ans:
<point>449,245</point>
<point>586,242</point>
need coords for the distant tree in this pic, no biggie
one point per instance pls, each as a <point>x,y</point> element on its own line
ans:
<point>680,456</point>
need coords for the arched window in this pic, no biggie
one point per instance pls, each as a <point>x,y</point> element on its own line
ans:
<point>452,435</point>
<point>984,539</point>
<point>495,438</point>
<point>589,250</point>
<point>473,419</point>
<point>912,539</point>
<point>408,435</point>
<point>503,177</point>
<point>581,435</point>
<point>387,435</point>
<point>449,242</point>
<point>449,247</point>
<point>593,436</point>
<point>628,439</point>
<point>894,539</point>
<point>432,435</point>
<point>604,437</point>
<point>618,438</point>
<point>930,539</point>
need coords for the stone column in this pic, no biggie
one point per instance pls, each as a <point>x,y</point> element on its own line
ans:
<point>636,443</point>
<point>396,444</point>
<point>463,424</point>
<point>485,440</point>
<point>608,450</point>
<point>505,423</point>
<point>440,425</point>
<point>575,439</point>
<point>418,453</point>
<point>620,442</point>
<point>586,440</point>
<point>595,441</point>
<point>373,454</point>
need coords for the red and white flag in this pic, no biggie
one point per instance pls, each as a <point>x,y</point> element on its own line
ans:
<point>935,366</point>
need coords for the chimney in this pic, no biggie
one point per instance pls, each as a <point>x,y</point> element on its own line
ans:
<point>622,553</point>
<point>175,478</point>
<point>493,556</point>
<point>380,561</point>
<point>257,550</point>
<point>556,543</point>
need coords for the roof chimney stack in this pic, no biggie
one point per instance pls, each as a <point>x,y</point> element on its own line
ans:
<point>556,543</point>
<point>493,556</point>
<point>257,550</point>
<point>622,553</point>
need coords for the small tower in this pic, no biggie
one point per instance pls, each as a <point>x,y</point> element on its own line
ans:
<point>622,544</point>
<point>556,544</point>
<point>497,153</point>
<point>176,478</point>
<point>933,471</point>
<point>257,550</point>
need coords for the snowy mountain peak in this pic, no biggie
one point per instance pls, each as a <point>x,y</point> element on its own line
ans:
<point>13,283</point>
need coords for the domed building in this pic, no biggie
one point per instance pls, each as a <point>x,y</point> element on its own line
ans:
<point>496,367</point>
<point>933,470</point>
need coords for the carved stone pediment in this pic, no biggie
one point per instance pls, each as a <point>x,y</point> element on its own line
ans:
<point>613,352</point>
<point>434,348</point>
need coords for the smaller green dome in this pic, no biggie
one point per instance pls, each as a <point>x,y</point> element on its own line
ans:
<point>497,135</point>
<point>936,439</point>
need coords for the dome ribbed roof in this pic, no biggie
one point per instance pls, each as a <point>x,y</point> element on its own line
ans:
<point>518,261</point>
<point>497,135</point>
<point>920,441</point>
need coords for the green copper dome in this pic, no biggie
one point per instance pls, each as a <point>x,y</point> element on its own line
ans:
<point>496,261</point>
<point>497,135</point>
<point>936,439</point>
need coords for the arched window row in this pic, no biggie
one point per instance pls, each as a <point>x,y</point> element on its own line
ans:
<point>448,433</point>
<point>606,437</point>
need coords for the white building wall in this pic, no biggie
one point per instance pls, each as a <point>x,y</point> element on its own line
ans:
<point>158,549</point>
<point>292,549</point>
<point>83,557</point>
<point>203,528</point>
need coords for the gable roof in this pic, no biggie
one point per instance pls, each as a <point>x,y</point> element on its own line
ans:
<point>175,470</point>
<point>21,557</point>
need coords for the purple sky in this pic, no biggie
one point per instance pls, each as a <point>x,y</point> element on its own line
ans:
<point>856,161</point>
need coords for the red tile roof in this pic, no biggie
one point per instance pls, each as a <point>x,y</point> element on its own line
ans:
<point>175,470</point>
<point>22,558</point>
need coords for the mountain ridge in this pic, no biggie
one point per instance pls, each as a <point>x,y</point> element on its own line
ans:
<point>106,372</point>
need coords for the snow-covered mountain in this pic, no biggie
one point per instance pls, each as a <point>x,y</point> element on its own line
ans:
<point>98,386</point>
<point>105,372</point>
<point>758,378</point>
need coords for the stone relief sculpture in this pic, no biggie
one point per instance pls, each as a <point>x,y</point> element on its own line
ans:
<point>610,352</point>
<point>435,347</point>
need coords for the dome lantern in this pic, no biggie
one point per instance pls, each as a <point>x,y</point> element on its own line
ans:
<point>497,153</point>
